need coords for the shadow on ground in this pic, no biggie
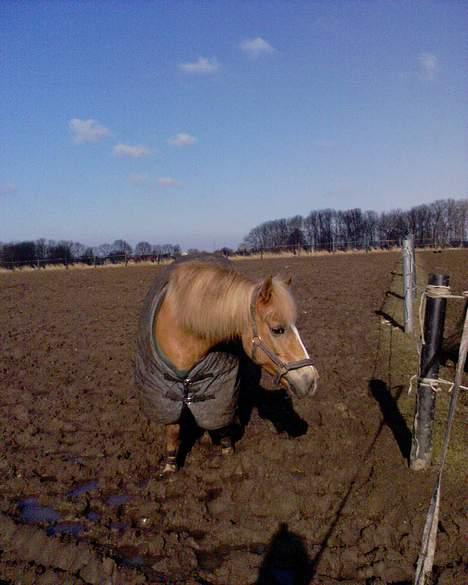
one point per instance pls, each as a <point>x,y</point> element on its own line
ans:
<point>392,416</point>
<point>390,319</point>
<point>273,405</point>
<point>286,561</point>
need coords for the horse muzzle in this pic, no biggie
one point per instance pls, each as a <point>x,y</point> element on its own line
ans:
<point>303,381</point>
<point>301,377</point>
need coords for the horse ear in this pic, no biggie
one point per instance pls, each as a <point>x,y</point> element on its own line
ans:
<point>266,289</point>
<point>288,281</point>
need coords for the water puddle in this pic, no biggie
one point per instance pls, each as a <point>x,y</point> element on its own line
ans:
<point>68,528</point>
<point>120,527</point>
<point>31,512</point>
<point>93,516</point>
<point>82,489</point>
<point>117,500</point>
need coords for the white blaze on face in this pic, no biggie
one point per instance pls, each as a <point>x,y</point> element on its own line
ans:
<point>311,370</point>
<point>296,333</point>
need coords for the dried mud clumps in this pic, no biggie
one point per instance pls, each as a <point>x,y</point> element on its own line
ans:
<point>323,481</point>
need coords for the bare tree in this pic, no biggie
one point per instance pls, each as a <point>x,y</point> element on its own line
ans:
<point>143,249</point>
<point>77,249</point>
<point>121,247</point>
<point>103,250</point>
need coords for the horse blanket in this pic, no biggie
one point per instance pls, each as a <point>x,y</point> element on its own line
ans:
<point>209,390</point>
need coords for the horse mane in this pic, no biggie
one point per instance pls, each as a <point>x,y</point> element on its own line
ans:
<point>212,300</point>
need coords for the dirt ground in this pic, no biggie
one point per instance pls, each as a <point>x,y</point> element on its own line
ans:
<point>317,492</point>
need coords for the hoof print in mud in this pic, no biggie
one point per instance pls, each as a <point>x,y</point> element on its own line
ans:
<point>167,469</point>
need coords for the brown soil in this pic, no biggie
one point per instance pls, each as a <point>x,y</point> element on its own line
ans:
<point>317,492</point>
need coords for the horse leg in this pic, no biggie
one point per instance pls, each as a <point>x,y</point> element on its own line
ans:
<point>227,445</point>
<point>169,464</point>
<point>225,438</point>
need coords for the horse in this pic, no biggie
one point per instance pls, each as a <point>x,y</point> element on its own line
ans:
<point>195,310</point>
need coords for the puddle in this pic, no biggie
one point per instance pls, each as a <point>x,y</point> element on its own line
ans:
<point>31,512</point>
<point>120,527</point>
<point>93,516</point>
<point>117,500</point>
<point>69,528</point>
<point>85,488</point>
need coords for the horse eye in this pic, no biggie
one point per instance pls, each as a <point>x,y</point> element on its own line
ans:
<point>277,330</point>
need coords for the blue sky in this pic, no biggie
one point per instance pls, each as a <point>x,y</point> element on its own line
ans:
<point>192,122</point>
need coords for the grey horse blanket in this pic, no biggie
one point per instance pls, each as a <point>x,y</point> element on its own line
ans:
<point>209,390</point>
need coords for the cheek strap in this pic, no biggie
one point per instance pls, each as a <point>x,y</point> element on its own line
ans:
<point>282,368</point>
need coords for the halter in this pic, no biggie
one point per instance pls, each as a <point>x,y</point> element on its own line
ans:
<point>282,368</point>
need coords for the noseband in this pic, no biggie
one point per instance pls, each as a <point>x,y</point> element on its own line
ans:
<point>282,368</point>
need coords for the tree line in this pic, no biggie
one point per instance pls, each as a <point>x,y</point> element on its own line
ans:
<point>42,252</point>
<point>441,223</point>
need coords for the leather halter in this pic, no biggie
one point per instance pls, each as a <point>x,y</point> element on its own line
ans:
<point>282,368</point>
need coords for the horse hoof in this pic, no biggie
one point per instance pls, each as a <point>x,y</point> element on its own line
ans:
<point>227,447</point>
<point>167,470</point>
<point>205,440</point>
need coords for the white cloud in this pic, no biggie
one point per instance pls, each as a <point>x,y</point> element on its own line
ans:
<point>87,131</point>
<point>168,182</point>
<point>256,47</point>
<point>8,188</point>
<point>128,151</point>
<point>428,66</point>
<point>202,66</point>
<point>182,139</point>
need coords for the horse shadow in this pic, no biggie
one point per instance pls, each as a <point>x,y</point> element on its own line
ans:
<point>274,406</point>
<point>286,561</point>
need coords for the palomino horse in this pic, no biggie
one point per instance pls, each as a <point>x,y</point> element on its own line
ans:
<point>194,307</point>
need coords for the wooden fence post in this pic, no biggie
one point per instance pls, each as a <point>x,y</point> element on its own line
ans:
<point>413,265</point>
<point>408,284</point>
<point>434,319</point>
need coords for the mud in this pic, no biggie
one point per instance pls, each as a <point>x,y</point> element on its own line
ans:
<point>318,491</point>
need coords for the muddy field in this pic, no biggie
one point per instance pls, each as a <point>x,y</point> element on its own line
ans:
<point>317,492</point>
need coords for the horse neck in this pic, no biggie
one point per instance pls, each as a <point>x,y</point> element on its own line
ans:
<point>182,349</point>
<point>214,312</point>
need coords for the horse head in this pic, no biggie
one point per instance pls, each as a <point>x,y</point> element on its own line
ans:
<point>273,341</point>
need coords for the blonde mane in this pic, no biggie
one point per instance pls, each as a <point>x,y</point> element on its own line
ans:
<point>213,301</point>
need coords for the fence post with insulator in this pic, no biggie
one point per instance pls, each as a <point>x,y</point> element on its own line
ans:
<point>434,319</point>
<point>413,265</point>
<point>408,283</point>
